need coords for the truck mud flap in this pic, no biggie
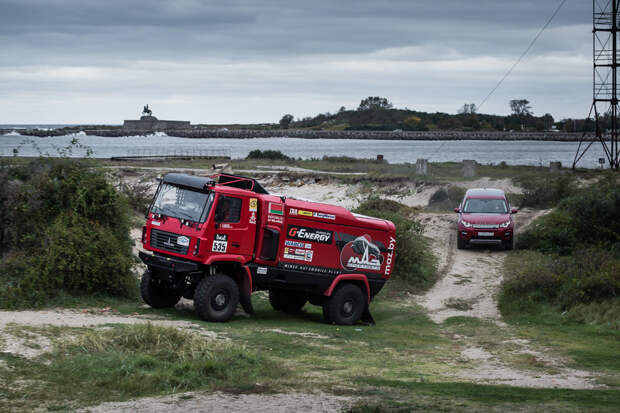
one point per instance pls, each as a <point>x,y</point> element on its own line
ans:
<point>245,296</point>
<point>246,303</point>
<point>367,317</point>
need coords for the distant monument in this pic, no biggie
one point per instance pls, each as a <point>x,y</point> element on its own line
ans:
<point>149,123</point>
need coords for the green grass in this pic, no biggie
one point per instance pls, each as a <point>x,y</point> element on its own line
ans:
<point>127,362</point>
<point>588,346</point>
<point>404,362</point>
<point>468,397</point>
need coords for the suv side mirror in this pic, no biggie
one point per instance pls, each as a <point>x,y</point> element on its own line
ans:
<point>514,210</point>
<point>457,209</point>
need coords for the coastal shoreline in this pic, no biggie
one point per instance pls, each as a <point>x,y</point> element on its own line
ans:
<point>210,133</point>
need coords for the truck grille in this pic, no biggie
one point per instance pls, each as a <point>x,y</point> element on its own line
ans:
<point>166,241</point>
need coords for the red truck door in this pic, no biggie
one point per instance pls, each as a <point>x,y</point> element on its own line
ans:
<point>235,225</point>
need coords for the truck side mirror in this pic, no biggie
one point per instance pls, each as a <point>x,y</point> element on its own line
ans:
<point>457,209</point>
<point>514,210</point>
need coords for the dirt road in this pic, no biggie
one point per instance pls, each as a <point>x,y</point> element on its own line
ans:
<point>468,287</point>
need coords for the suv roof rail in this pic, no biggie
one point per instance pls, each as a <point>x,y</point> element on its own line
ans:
<point>241,182</point>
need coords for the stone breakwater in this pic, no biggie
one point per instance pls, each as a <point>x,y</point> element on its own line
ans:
<point>205,133</point>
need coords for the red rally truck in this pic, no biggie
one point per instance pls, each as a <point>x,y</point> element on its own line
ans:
<point>217,240</point>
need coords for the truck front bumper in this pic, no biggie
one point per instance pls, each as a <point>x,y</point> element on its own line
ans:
<point>167,264</point>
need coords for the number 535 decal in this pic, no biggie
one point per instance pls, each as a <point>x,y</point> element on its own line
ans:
<point>220,243</point>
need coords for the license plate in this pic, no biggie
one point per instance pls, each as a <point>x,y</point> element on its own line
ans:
<point>485,234</point>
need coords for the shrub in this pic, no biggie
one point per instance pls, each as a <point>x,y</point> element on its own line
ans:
<point>268,154</point>
<point>138,195</point>
<point>446,199</point>
<point>589,275</point>
<point>415,263</point>
<point>592,217</point>
<point>65,229</point>
<point>546,193</point>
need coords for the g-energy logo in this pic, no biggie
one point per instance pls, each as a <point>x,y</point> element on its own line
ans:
<point>310,234</point>
<point>390,256</point>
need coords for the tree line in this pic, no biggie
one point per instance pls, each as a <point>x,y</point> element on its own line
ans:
<point>378,113</point>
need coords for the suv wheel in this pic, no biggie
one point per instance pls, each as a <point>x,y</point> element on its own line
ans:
<point>508,245</point>
<point>216,298</point>
<point>155,294</point>
<point>287,301</point>
<point>460,242</point>
<point>345,305</point>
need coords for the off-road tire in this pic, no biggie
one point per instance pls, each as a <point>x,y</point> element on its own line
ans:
<point>155,294</point>
<point>460,242</point>
<point>287,301</point>
<point>509,245</point>
<point>216,298</point>
<point>345,306</point>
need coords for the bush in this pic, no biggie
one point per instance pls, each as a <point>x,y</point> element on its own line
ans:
<point>65,230</point>
<point>139,196</point>
<point>446,199</point>
<point>415,263</point>
<point>268,154</point>
<point>589,275</point>
<point>589,218</point>
<point>546,193</point>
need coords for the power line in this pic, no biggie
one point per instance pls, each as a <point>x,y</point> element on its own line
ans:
<point>522,54</point>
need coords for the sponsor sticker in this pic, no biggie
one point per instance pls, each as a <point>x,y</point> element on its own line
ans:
<point>297,244</point>
<point>226,226</point>
<point>261,270</point>
<point>292,211</point>
<point>220,243</point>
<point>156,223</point>
<point>304,213</point>
<point>253,218</point>
<point>253,204</point>
<point>297,254</point>
<point>390,256</point>
<point>276,219</point>
<point>320,236</point>
<point>276,209</point>
<point>324,216</point>
<point>361,254</point>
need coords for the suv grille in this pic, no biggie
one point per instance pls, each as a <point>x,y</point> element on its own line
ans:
<point>166,241</point>
<point>486,226</point>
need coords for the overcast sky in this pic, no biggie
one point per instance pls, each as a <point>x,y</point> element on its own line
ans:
<point>81,61</point>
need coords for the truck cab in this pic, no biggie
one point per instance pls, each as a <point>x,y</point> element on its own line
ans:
<point>217,240</point>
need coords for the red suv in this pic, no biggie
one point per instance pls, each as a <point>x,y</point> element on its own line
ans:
<point>485,218</point>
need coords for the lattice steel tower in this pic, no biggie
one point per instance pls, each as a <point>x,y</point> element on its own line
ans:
<point>605,81</point>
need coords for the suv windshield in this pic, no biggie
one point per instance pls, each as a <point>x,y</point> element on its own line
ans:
<point>177,202</point>
<point>485,206</point>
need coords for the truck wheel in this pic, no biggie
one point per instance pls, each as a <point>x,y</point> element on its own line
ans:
<point>460,242</point>
<point>345,306</point>
<point>156,295</point>
<point>508,245</point>
<point>216,298</point>
<point>287,301</point>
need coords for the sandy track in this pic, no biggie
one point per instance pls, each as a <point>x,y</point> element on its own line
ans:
<point>224,403</point>
<point>468,285</point>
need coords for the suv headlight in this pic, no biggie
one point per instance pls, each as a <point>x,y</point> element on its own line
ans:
<point>504,224</point>
<point>466,224</point>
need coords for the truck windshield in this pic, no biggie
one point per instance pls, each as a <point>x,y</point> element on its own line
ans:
<point>485,206</point>
<point>177,202</point>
